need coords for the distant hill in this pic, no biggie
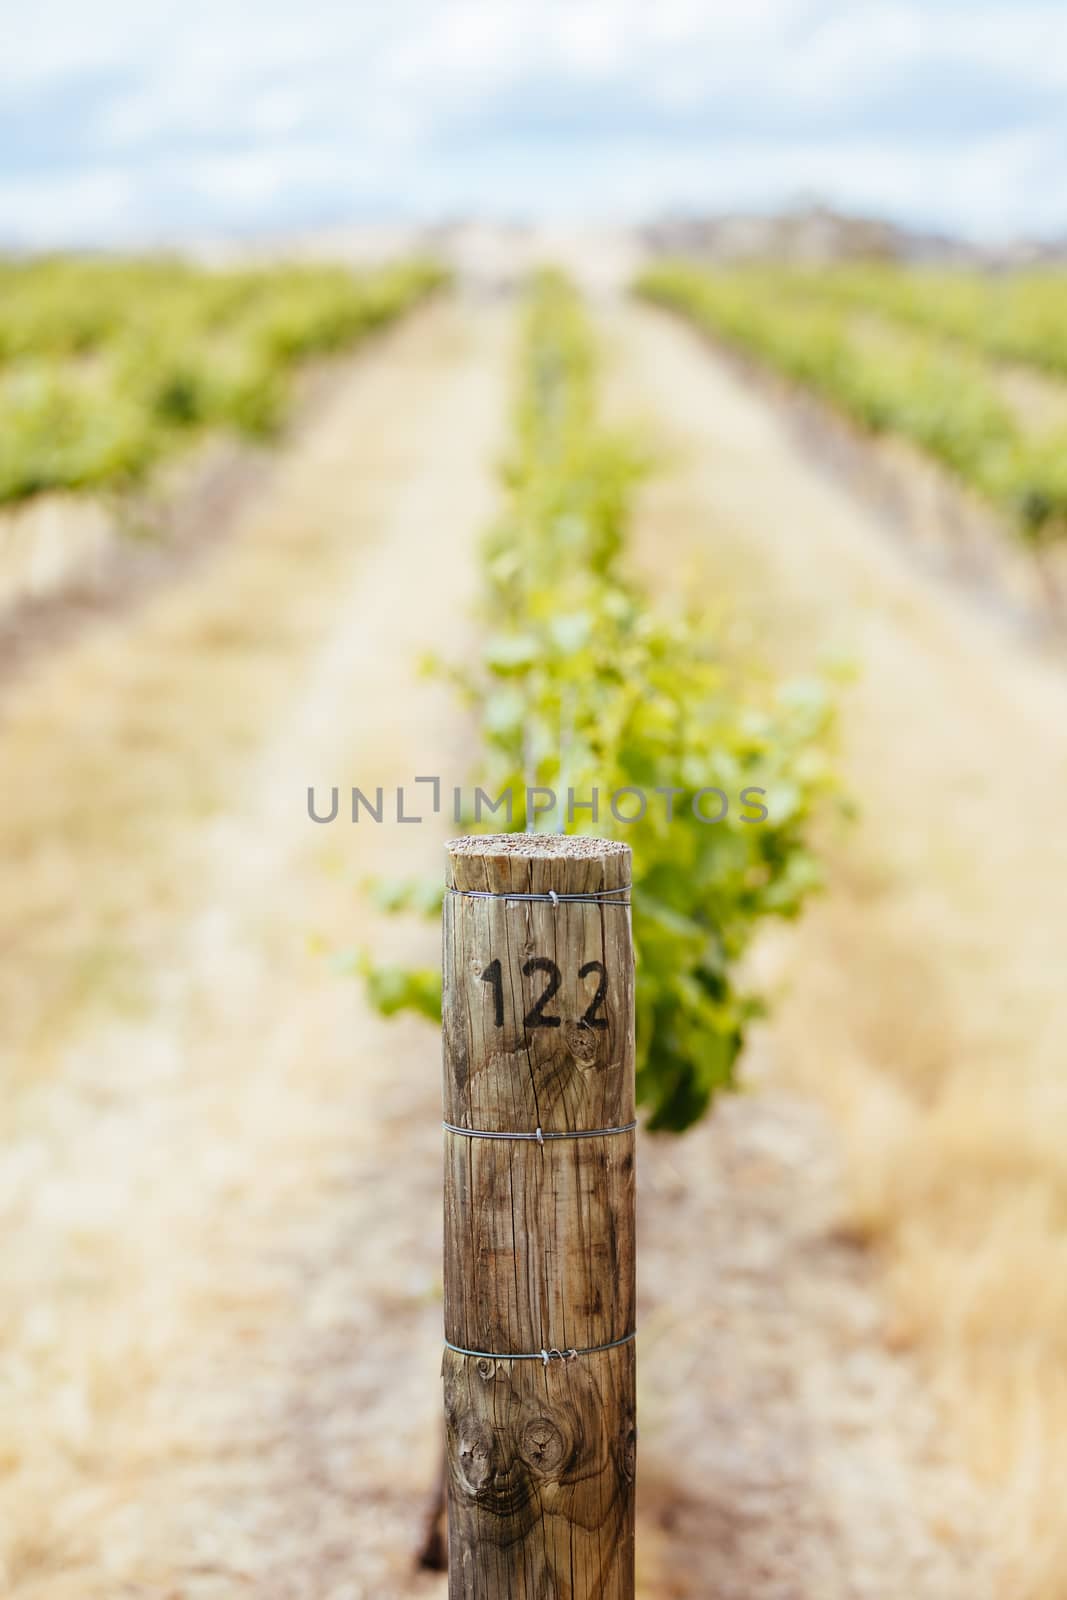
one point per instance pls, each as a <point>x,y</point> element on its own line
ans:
<point>499,254</point>
<point>818,233</point>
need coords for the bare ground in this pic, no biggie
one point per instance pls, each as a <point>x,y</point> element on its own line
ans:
<point>220,1173</point>
<point>219,1177</point>
<point>787,1453</point>
<point>922,1001</point>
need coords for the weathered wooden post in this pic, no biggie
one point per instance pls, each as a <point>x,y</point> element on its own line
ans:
<point>539,1365</point>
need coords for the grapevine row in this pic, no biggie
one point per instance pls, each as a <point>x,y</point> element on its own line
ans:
<point>584,685</point>
<point>1018,316</point>
<point>106,367</point>
<point>938,395</point>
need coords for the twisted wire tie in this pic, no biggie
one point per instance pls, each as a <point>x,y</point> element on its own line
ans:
<point>544,1356</point>
<point>539,1134</point>
<point>605,897</point>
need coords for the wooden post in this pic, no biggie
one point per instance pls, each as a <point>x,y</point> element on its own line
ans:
<point>538,1019</point>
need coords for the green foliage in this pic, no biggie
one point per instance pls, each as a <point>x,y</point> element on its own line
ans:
<point>407,894</point>
<point>1017,316</point>
<point>392,989</point>
<point>106,366</point>
<point>582,685</point>
<point>935,392</point>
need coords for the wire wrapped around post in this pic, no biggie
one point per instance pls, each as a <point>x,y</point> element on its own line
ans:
<point>539,1361</point>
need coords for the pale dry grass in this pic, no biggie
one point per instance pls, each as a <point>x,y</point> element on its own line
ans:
<point>195,1101</point>
<point>924,998</point>
<point>51,542</point>
<point>116,761</point>
<point>959,1177</point>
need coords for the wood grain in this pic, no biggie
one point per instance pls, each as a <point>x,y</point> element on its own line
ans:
<point>539,1239</point>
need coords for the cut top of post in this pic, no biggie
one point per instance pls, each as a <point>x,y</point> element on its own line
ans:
<point>538,863</point>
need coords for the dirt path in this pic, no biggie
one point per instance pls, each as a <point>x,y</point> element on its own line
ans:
<point>220,1178</point>
<point>786,1454</point>
<point>921,1001</point>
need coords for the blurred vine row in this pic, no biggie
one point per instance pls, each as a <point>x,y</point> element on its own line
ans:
<point>107,366</point>
<point>583,684</point>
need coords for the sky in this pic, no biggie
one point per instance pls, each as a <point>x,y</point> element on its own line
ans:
<point>147,120</point>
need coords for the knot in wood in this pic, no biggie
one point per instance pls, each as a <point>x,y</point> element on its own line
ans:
<point>628,1463</point>
<point>581,1042</point>
<point>474,1455</point>
<point>543,1446</point>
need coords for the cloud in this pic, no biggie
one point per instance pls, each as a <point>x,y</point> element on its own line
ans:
<point>145,118</point>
